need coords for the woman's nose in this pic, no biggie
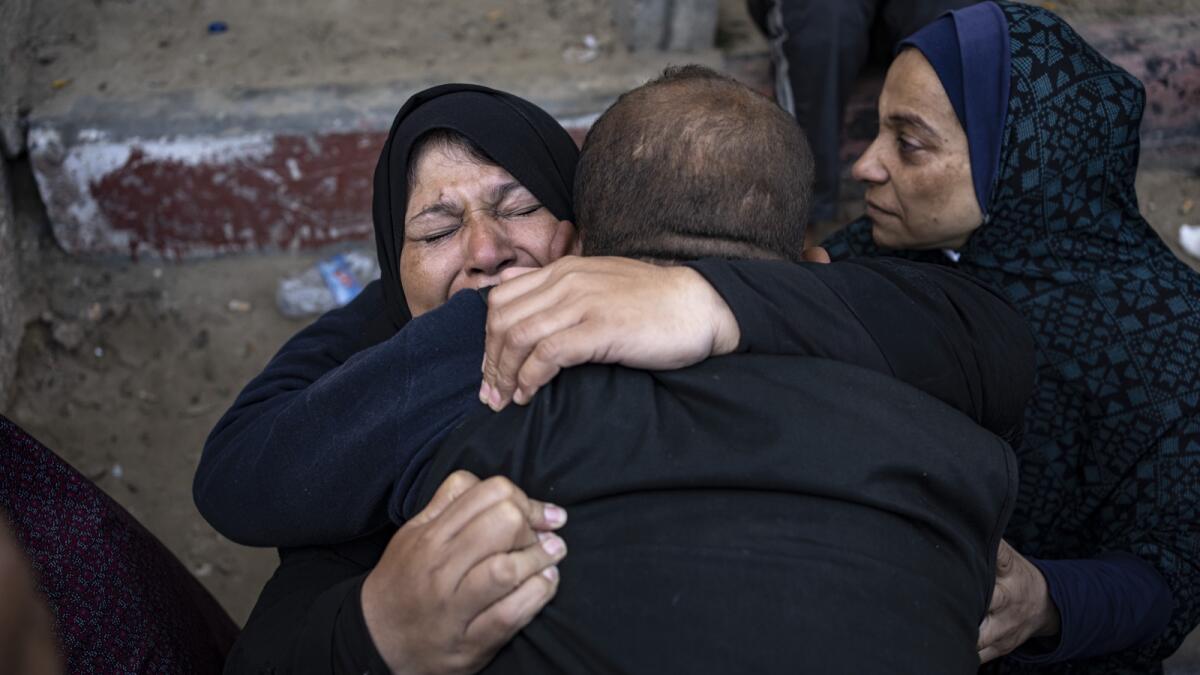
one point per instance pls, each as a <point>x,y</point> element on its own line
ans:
<point>489,249</point>
<point>868,168</point>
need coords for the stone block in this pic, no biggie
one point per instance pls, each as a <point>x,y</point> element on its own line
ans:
<point>199,174</point>
<point>666,25</point>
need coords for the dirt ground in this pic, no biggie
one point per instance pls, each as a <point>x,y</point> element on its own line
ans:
<point>122,47</point>
<point>130,364</point>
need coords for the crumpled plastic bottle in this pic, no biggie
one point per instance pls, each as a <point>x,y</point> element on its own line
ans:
<point>331,283</point>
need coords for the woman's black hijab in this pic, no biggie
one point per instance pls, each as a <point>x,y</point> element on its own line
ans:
<point>516,134</point>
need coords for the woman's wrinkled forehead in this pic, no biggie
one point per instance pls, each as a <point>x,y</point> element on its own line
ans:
<point>452,143</point>
<point>448,184</point>
<point>913,97</point>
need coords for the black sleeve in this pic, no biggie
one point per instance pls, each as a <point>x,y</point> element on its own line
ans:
<point>309,618</point>
<point>303,405</point>
<point>323,425</point>
<point>927,325</point>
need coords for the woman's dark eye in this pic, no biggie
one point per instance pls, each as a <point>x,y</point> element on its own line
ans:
<point>905,146</point>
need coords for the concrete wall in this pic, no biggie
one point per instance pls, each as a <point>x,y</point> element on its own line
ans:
<point>666,25</point>
<point>192,174</point>
<point>14,71</point>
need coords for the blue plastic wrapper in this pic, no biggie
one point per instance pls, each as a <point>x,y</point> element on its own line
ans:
<point>340,279</point>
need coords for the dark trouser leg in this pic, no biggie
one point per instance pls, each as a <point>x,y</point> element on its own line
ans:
<point>758,13</point>
<point>818,48</point>
<point>902,18</point>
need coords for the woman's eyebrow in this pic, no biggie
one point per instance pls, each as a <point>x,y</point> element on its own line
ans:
<point>912,119</point>
<point>503,190</point>
<point>437,208</point>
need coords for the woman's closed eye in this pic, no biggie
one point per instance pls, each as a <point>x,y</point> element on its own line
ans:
<point>519,210</point>
<point>439,236</point>
<point>432,236</point>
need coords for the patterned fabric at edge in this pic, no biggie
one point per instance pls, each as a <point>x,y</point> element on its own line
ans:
<point>121,602</point>
<point>1111,460</point>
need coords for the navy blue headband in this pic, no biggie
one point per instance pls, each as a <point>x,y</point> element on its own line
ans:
<point>968,49</point>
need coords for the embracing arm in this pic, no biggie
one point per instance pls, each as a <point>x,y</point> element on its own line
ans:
<point>1129,606</point>
<point>312,448</point>
<point>1103,604</point>
<point>924,324</point>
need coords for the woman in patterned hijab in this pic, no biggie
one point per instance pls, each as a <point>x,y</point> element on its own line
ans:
<point>1011,145</point>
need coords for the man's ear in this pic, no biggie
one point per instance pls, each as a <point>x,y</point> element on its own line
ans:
<point>816,254</point>
<point>566,240</point>
<point>577,244</point>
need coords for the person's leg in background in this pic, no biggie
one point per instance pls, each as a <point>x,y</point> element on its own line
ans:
<point>121,601</point>
<point>901,18</point>
<point>818,48</point>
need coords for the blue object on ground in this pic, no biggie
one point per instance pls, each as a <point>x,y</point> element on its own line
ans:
<point>217,27</point>
<point>339,278</point>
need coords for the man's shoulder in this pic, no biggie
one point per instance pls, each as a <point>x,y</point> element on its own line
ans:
<point>735,386</point>
<point>761,370</point>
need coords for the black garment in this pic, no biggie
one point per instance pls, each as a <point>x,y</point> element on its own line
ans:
<point>516,134</point>
<point>316,446</point>
<point>879,314</point>
<point>818,49</point>
<point>747,514</point>
<point>320,448</point>
<point>942,333</point>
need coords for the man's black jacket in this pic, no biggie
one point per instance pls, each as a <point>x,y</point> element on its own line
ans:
<point>750,513</point>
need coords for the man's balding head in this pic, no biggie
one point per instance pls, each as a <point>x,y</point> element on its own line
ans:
<point>694,164</point>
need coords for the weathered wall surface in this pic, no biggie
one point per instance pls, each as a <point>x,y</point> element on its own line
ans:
<point>14,69</point>
<point>195,174</point>
<point>666,25</point>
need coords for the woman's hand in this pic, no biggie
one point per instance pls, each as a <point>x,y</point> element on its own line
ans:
<point>598,310</point>
<point>463,576</point>
<point>1021,607</point>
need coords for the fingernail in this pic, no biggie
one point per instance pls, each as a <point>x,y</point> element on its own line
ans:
<point>551,573</point>
<point>485,394</point>
<point>555,515</point>
<point>553,544</point>
<point>519,397</point>
<point>494,398</point>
